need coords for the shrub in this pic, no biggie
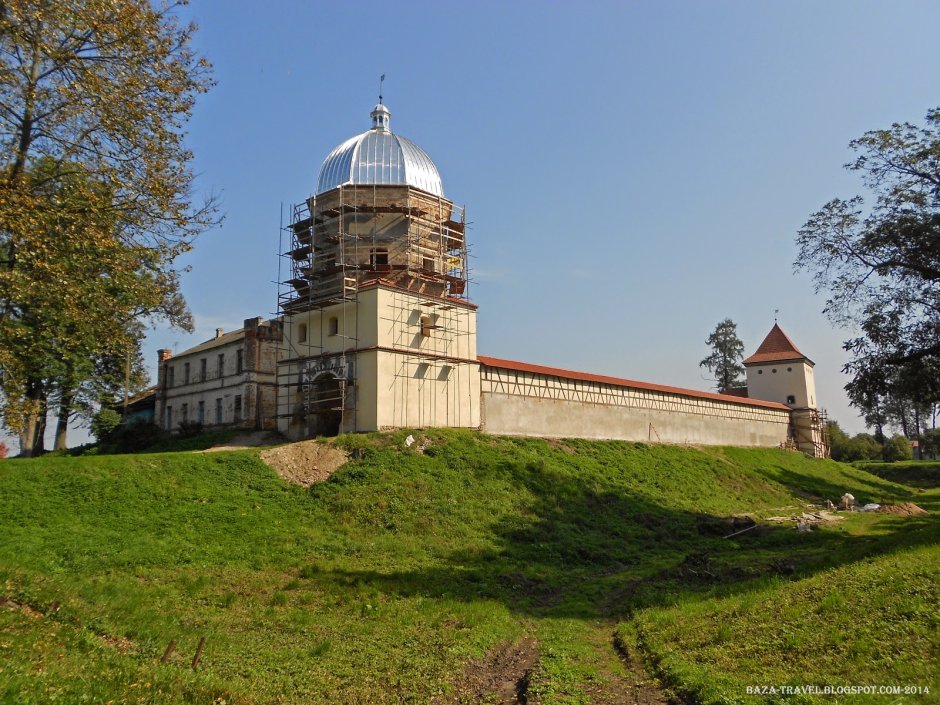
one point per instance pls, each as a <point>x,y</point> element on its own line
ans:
<point>104,424</point>
<point>189,429</point>
<point>862,446</point>
<point>138,435</point>
<point>4,451</point>
<point>895,449</point>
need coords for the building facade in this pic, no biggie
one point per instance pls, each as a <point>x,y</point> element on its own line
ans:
<point>379,332</point>
<point>227,381</point>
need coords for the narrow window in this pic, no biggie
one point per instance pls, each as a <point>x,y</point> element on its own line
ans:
<point>428,265</point>
<point>426,326</point>
<point>169,418</point>
<point>218,410</point>
<point>791,399</point>
<point>302,333</point>
<point>185,413</point>
<point>202,370</point>
<point>239,361</point>
<point>221,365</point>
<point>169,376</point>
<point>334,326</point>
<point>238,408</point>
<point>186,373</point>
<point>201,412</point>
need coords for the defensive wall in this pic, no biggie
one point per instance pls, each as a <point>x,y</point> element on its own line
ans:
<point>532,400</point>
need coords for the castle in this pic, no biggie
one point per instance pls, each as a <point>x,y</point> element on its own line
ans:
<point>375,331</point>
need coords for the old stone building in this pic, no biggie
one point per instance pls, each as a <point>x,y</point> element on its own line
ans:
<point>228,380</point>
<point>379,333</point>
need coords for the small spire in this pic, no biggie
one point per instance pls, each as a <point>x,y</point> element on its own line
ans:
<point>381,81</point>
<point>776,310</point>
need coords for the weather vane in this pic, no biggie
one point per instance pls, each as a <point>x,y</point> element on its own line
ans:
<point>381,81</point>
<point>776,311</point>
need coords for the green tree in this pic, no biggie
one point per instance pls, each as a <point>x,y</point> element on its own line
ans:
<point>95,189</point>
<point>897,448</point>
<point>880,265</point>
<point>727,351</point>
<point>838,442</point>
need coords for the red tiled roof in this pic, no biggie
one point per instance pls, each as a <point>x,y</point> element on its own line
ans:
<point>619,382</point>
<point>777,347</point>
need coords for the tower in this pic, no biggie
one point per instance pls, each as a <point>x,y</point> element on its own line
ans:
<point>779,372</point>
<point>378,330</point>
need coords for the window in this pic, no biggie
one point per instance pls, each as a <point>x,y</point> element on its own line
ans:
<point>221,364</point>
<point>238,408</point>
<point>201,412</point>
<point>791,399</point>
<point>789,369</point>
<point>169,418</point>
<point>760,372</point>
<point>378,257</point>
<point>774,370</point>
<point>169,376</point>
<point>428,264</point>
<point>184,413</point>
<point>334,326</point>
<point>202,370</point>
<point>239,361</point>
<point>186,373</point>
<point>218,410</point>
<point>427,325</point>
<point>302,333</point>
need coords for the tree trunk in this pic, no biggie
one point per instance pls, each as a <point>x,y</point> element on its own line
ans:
<point>33,424</point>
<point>39,442</point>
<point>62,425</point>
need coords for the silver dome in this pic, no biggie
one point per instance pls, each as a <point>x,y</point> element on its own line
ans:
<point>378,156</point>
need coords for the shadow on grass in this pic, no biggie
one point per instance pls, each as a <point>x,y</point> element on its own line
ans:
<point>579,552</point>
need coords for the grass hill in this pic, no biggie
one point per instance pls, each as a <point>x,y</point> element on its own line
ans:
<point>465,568</point>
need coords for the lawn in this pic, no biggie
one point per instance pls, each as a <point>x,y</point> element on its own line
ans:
<point>442,575</point>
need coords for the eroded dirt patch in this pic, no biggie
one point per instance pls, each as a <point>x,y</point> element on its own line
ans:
<point>501,677</point>
<point>306,462</point>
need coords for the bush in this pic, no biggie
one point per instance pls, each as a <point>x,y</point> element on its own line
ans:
<point>930,444</point>
<point>189,429</point>
<point>104,424</point>
<point>4,451</point>
<point>862,446</point>
<point>895,449</point>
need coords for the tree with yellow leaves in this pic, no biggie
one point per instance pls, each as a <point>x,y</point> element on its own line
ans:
<point>95,188</point>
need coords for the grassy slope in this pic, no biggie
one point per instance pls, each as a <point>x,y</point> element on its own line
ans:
<point>378,585</point>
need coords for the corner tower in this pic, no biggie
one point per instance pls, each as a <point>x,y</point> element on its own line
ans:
<point>379,332</point>
<point>779,372</point>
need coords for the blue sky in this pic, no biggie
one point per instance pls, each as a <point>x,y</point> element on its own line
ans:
<point>634,172</point>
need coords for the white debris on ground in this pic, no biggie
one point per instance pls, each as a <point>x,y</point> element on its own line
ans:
<point>820,516</point>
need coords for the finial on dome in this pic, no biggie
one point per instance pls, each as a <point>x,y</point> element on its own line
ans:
<point>380,118</point>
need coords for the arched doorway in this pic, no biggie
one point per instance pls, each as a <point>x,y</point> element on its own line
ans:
<point>324,403</point>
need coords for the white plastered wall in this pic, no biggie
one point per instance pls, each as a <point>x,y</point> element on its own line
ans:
<point>777,381</point>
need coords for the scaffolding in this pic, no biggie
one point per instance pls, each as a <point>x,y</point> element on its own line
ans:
<point>809,430</point>
<point>339,242</point>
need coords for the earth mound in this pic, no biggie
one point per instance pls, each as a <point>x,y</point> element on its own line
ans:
<point>305,462</point>
<point>908,509</point>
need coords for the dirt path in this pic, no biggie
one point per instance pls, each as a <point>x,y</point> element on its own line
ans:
<point>500,677</point>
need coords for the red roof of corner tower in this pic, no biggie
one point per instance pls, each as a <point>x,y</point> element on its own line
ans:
<point>777,347</point>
